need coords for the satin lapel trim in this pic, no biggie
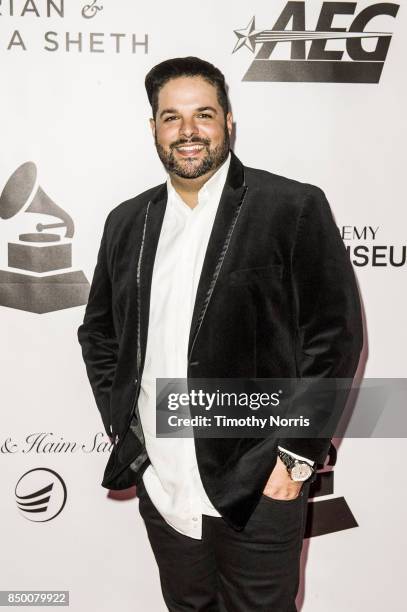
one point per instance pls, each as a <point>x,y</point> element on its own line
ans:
<point>225,220</point>
<point>152,227</point>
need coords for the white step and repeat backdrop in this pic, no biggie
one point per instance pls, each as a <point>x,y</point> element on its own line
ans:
<point>75,141</point>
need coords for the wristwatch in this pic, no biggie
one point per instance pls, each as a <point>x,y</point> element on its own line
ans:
<point>297,469</point>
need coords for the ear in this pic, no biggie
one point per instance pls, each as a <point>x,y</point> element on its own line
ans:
<point>229,122</point>
<point>152,126</point>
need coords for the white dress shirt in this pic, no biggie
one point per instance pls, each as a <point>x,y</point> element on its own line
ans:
<point>172,479</point>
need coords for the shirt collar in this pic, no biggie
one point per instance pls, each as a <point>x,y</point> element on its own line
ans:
<point>211,190</point>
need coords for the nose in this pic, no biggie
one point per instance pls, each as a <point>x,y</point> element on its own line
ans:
<point>188,128</point>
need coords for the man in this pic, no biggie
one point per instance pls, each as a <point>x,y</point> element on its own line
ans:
<point>223,271</point>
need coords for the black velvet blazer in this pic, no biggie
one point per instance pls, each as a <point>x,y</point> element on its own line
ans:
<point>277,297</point>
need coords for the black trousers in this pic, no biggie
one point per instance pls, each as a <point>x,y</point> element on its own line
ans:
<point>256,569</point>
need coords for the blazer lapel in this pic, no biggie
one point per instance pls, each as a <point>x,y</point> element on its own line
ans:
<point>151,232</point>
<point>229,207</point>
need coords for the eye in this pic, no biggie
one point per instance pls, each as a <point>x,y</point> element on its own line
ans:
<point>205,115</point>
<point>170,118</point>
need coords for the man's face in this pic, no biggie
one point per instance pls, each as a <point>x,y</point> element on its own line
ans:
<point>191,134</point>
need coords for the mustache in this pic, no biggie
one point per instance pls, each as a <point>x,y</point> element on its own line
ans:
<point>203,141</point>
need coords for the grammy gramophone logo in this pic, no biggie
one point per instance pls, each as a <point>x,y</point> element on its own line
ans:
<point>39,277</point>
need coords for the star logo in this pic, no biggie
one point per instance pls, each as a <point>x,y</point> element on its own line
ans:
<point>246,37</point>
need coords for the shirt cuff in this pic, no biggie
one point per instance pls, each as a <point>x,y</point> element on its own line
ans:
<point>296,456</point>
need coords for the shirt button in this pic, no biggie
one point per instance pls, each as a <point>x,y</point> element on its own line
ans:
<point>194,518</point>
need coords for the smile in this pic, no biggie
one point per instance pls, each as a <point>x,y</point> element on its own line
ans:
<point>189,149</point>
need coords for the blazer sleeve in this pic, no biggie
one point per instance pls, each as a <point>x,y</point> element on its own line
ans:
<point>97,336</point>
<point>329,320</point>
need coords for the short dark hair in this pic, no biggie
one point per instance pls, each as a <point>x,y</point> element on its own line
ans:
<point>189,66</point>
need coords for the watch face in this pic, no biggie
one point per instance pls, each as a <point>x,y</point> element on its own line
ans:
<point>301,471</point>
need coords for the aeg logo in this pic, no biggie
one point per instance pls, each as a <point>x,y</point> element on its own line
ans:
<point>317,63</point>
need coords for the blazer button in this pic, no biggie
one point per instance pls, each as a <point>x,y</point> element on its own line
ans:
<point>136,381</point>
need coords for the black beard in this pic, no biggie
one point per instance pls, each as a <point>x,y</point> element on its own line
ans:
<point>213,159</point>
